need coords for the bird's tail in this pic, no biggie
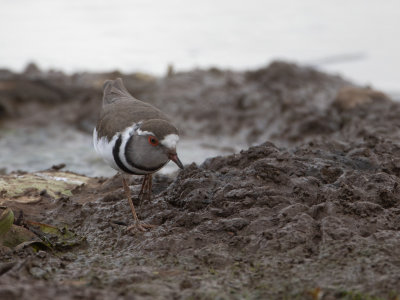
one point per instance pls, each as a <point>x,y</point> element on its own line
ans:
<point>114,90</point>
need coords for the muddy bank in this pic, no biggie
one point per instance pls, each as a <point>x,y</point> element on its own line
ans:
<point>263,223</point>
<point>313,215</point>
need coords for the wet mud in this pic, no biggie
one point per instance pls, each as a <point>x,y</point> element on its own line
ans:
<point>311,211</point>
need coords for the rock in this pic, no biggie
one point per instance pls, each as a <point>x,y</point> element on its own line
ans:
<point>28,188</point>
<point>350,97</point>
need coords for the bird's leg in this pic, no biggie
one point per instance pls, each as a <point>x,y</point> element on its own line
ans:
<point>143,187</point>
<point>150,186</point>
<point>145,191</point>
<point>137,224</point>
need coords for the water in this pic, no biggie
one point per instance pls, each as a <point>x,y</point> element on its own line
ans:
<point>356,38</point>
<point>36,149</point>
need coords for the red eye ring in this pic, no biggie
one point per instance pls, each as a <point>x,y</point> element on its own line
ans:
<point>153,140</point>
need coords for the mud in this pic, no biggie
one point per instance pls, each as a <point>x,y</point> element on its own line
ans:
<point>314,214</point>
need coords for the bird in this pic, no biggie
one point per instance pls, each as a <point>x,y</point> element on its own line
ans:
<point>134,138</point>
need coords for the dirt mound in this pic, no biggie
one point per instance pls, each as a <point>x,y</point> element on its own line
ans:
<point>250,107</point>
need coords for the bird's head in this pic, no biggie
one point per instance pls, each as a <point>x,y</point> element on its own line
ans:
<point>153,145</point>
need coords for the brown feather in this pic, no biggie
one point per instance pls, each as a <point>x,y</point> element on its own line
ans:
<point>121,110</point>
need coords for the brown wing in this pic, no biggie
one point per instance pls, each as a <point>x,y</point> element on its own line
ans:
<point>121,109</point>
<point>123,113</point>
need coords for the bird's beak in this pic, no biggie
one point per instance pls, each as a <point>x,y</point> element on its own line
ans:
<point>174,157</point>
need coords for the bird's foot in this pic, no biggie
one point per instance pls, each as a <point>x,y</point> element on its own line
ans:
<point>139,226</point>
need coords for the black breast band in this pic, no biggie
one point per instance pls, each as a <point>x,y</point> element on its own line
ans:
<point>121,165</point>
<point>117,159</point>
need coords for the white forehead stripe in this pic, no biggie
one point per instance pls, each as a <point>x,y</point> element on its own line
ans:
<point>140,132</point>
<point>170,141</point>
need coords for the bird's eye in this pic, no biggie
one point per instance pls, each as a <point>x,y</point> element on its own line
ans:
<point>153,140</point>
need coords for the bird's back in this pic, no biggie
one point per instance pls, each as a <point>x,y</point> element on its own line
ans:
<point>121,110</point>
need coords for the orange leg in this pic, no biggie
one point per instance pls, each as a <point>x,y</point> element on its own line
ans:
<point>138,225</point>
<point>145,191</point>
